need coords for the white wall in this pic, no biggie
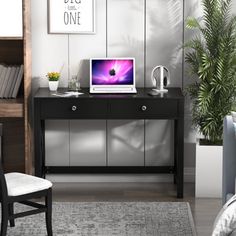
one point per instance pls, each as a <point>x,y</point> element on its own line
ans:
<point>192,8</point>
<point>149,30</point>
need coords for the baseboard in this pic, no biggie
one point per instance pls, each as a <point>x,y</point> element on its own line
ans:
<point>189,177</point>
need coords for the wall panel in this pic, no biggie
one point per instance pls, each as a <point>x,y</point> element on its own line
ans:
<point>125,38</point>
<point>125,143</point>
<point>164,25</point>
<point>87,143</point>
<point>125,32</point>
<point>122,33</point>
<point>83,47</point>
<point>159,143</point>
<point>192,8</point>
<point>57,143</point>
<point>164,33</point>
<point>234,7</point>
<point>49,51</point>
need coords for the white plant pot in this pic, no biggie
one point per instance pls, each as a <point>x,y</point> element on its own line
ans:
<point>53,85</point>
<point>209,161</point>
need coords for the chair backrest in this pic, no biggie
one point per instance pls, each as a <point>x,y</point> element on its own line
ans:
<point>229,160</point>
<point>3,185</point>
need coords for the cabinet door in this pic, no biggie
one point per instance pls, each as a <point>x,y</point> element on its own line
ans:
<point>11,18</point>
<point>125,142</point>
<point>57,143</point>
<point>88,143</point>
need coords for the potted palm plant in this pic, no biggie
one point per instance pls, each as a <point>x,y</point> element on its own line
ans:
<point>212,61</point>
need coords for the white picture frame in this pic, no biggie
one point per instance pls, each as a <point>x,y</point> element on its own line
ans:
<point>71,16</point>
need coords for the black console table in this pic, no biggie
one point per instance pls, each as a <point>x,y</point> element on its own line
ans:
<point>114,106</point>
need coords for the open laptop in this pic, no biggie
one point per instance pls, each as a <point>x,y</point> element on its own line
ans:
<point>112,75</point>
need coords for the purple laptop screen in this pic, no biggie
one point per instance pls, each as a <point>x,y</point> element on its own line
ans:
<point>112,71</point>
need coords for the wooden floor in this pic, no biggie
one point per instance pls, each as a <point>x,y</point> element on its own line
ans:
<point>204,210</point>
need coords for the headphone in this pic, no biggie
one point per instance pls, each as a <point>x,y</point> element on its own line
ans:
<point>165,80</point>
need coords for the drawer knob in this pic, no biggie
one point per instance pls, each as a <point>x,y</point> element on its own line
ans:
<point>144,108</point>
<point>74,108</point>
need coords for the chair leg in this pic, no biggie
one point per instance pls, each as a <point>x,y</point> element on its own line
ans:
<point>4,220</point>
<point>48,203</point>
<point>11,212</point>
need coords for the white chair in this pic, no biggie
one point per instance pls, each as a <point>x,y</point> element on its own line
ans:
<point>18,187</point>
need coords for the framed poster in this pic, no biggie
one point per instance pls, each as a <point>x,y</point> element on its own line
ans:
<point>71,16</point>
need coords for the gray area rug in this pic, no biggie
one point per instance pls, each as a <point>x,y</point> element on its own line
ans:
<point>109,219</point>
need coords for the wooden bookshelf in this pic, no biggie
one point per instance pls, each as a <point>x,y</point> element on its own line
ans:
<point>12,108</point>
<point>12,51</point>
<point>11,38</point>
<point>14,113</point>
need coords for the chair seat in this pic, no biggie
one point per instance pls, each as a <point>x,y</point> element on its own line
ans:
<point>20,184</point>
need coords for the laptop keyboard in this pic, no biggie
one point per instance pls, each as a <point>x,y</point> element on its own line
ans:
<point>112,89</point>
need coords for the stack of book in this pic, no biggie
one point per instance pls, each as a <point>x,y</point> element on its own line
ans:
<point>10,80</point>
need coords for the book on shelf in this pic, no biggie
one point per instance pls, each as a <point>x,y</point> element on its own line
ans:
<point>18,82</point>
<point>2,77</point>
<point>10,80</point>
<point>2,73</point>
<point>5,80</point>
<point>14,81</point>
<point>1,69</point>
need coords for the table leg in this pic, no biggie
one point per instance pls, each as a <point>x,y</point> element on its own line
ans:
<point>38,141</point>
<point>180,151</point>
<point>175,151</point>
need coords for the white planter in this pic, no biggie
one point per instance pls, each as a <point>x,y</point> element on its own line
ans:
<point>53,85</point>
<point>209,161</point>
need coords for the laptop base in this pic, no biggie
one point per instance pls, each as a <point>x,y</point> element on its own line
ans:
<point>113,90</point>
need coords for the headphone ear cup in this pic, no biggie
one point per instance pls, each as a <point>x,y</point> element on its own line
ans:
<point>165,81</point>
<point>154,80</point>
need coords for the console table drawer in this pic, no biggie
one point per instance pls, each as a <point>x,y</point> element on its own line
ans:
<point>73,109</point>
<point>146,109</point>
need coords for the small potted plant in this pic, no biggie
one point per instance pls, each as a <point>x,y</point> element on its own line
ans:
<point>53,80</point>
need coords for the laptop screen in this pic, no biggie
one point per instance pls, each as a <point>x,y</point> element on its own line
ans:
<point>109,71</point>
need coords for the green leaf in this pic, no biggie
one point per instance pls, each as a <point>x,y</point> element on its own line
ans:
<point>192,23</point>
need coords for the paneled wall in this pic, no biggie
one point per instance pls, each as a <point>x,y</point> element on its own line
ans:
<point>152,32</point>
<point>149,30</point>
<point>191,8</point>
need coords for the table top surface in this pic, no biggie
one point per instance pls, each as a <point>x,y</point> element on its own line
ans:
<point>173,93</point>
